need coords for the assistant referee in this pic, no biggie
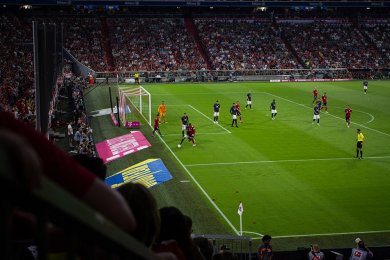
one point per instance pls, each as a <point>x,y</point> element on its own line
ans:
<point>359,144</point>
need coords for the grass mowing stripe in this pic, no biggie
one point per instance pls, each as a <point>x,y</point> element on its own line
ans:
<point>369,128</point>
<point>196,182</point>
<point>209,118</point>
<point>281,161</point>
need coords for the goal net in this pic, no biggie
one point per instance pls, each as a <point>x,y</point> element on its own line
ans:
<point>135,103</point>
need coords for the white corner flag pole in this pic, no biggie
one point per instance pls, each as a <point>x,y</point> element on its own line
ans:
<point>240,211</point>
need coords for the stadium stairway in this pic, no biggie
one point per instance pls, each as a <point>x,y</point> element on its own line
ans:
<point>288,45</point>
<point>107,44</point>
<point>192,30</point>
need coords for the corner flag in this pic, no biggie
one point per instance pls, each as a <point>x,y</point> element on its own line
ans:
<point>240,209</point>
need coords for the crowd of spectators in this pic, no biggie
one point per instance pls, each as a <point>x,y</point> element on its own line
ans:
<point>243,44</point>
<point>153,44</point>
<point>17,93</point>
<point>83,38</point>
<point>79,130</point>
<point>379,34</point>
<point>332,45</point>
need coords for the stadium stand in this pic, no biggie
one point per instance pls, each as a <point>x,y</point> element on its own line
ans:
<point>337,44</point>
<point>379,35</point>
<point>16,69</point>
<point>244,44</point>
<point>153,44</point>
<point>84,39</point>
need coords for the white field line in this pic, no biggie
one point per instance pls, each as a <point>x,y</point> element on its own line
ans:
<point>209,118</point>
<point>370,115</point>
<point>361,125</point>
<point>334,234</point>
<point>197,183</point>
<point>283,161</point>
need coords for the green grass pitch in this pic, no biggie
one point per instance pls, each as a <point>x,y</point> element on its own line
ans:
<point>298,181</point>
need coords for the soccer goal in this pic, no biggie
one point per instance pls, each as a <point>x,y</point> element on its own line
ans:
<point>135,101</point>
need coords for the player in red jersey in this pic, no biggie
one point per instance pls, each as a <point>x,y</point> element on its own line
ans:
<point>190,135</point>
<point>315,95</point>
<point>90,79</point>
<point>324,102</point>
<point>238,108</point>
<point>348,112</point>
<point>156,126</point>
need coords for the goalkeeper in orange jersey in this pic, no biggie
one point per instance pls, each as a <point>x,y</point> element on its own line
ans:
<point>162,110</point>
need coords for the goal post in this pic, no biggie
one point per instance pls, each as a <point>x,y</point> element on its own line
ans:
<point>132,101</point>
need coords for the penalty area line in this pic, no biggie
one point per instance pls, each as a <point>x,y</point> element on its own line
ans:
<point>209,118</point>
<point>282,161</point>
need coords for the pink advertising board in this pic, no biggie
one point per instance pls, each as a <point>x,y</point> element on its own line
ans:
<point>120,146</point>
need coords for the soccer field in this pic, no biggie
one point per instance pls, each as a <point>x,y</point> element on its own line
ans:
<point>295,179</point>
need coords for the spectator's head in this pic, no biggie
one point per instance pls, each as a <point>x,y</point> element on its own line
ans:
<point>360,243</point>
<point>145,210</point>
<point>94,164</point>
<point>174,227</point>
<point>315,248</point>
<point>188,221</point>
<point>266,239</point>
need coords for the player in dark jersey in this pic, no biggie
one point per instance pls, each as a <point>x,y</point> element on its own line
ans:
<point>217,107</point>
<point>233,112</point>
<point>184,123</point>
<point>316,115</point>
<point>272,108</point>
<point>315,95</point>
<point>156,126</point>
<point>248,100</point>
<point>365,86</point>
<point>238,108</point>
<point>318,103</point>
<point>190,135</point>
<point>348,112</point>
<point>324,99</point>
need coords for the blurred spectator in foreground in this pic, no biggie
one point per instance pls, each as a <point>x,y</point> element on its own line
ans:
<point>361,252</point>
<point>145,210</point>
<point>174,234</point>
<point>61,169</point>
<point>315,253</point>
<point>94,164</point>
<point>205,247</point>
<point>265,249</point>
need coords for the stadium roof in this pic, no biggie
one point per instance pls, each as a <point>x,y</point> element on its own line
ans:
<point>206,3</point>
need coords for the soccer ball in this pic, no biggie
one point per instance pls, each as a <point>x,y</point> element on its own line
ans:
<point>178,145</point>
